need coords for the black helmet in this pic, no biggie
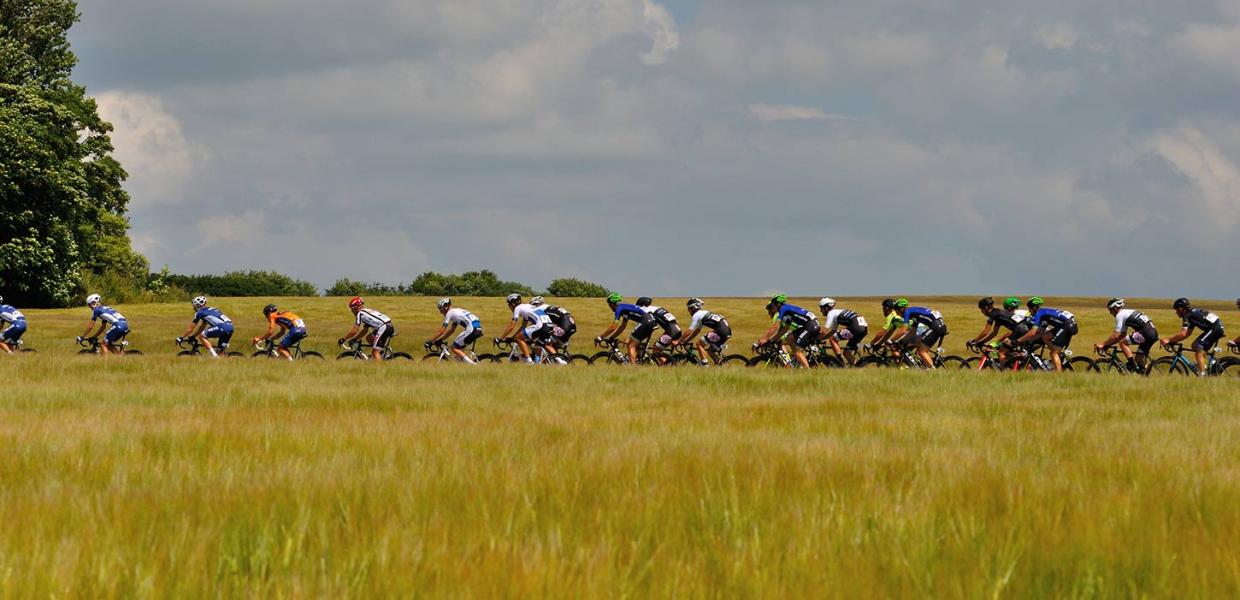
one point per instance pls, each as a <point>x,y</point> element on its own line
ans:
<point>694,304</point>
<point>1237,302</point>
<point>889,303</point>
<point>1181,303</point>
<point>267,310</point>
<point>985,302</point>
<point>644,301</point>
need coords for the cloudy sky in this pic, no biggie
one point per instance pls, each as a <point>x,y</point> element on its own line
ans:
<point>683,146</point>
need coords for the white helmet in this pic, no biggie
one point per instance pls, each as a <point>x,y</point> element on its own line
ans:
<point>514,298</point>
<point>199,302</point>
<point>445,303</point>
<point>1116,303</point>
<point>93,299</point>
<point>827,303</point>
<point>1,299</point>
<point>537,301</point>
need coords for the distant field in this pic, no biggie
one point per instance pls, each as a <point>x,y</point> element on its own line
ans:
<point>159,476</point>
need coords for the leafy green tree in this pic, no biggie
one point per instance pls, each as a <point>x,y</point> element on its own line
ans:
<point>243,283</point>
<point>473,283</point>
<point>350,287</point>
<point>62,207</point>
<point>569,287</point>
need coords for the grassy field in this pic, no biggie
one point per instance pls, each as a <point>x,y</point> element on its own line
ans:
<point>158,476</point>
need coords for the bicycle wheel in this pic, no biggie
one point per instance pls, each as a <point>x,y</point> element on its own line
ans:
<point>1082,364</point>
<point>486,358</point>
<point>349,354</point>
<point>1232,368</point>
<point>261,353</point>
<point>600,356</point>
<point>312,354</point>
<point>400,356</point>
<point>953,363</point>
<point>829,362</point>
<point>734,361</point>
<point>974,363</point>
<point>233,355</point>
<point>187,353</point>
<point>132,353</point>
<point>578,359</point>
<point>27,351</point>
<point>87,351</point>
<point>1167,365</point>
<point>872,362</point>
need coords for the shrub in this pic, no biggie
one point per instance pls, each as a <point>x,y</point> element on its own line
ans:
<point>569,287</point>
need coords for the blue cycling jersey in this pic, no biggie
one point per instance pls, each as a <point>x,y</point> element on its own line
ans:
<point>213,317</point>
<point>9,314</point>
<point>922,315</point>
<point>1052,317</point>
<point>631,312</point>
<point>107,314</point>
<point>795,316</point>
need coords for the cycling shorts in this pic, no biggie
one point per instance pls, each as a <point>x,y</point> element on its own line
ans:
<point>1144,340</point>
<point>933,334</point>
<point>670,335</point>
<point>223,333</point>
<point>14,332</point>
<point>562,335</point>
<point>293,336</point>
<point>807,336</point>
<point>716,340</point>
<point>119,330</point>
<point>853,335</point>
<point>541,333</point>
<point>1061,337</point>
<point>469,336</point>
<point>381,336</point>
<point>642,332</point>
<point>1208,339</point>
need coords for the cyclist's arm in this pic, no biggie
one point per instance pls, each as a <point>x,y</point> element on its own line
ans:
<point>355,332</point>
<point>90,326</point>
<point>1179,337</point>
<point>614,330</point>
<point>771,332</point>
<point>509,331</point>
<point>195,328</point>
<point>987,334</point>
<point>271,327</point>
<point>443,333</point>
<point>688,337</point>
<point>1111,341</point>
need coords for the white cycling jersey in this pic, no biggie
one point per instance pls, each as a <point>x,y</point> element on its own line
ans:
<point>833,316</point>
<point>1128,317</point>
<point>372,318</point>
<point>460,317</point>
<point>9,314</point>
<point>533,317</point>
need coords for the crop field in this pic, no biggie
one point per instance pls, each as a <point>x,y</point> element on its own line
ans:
<point>165,476</point>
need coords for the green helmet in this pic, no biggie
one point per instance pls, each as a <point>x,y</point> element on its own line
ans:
<point>614,299</point>
<point>780,299</point>
<point>1035,302</point>
<point>1011,303</point>
<point>902,303</point>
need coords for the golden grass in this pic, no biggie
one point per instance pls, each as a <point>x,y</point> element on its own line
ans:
<point>159,476</point>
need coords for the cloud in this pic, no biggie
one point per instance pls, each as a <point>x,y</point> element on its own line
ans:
<point>787,112</point>
<point>152,147</point>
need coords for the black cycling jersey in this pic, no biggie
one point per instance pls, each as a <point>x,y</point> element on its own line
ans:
<point>665,320</point>
<point>1137,321</point>
<point>848,319</point>
<point>559,315</point>
<point>1008,319</point>
<point>1198,318</point>
<point>718,324</point>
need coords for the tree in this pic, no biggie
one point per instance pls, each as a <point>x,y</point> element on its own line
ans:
<point>243,283</point>
<point>569,287</point>
<point>473,283</point>
<point>62,207</point>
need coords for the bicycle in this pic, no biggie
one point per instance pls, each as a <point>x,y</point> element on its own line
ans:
<point>1177,364</point>
<point>195,349</point>
<point>892,354</point>
<point>772,355</point>
<point>988,359</point>
<point>821,355</point>
<point>617,353</point>
<point>359,350</point>
<point>1112,361</point>
<point>92,345</point>
<point>19,347</point>
<point>268,350</point>
<point>441,352</point>
<point>687,355</point>
<point>538,353</point>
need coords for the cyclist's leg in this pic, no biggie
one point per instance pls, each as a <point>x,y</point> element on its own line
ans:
<point>1202,346</point>
<point>114,335</point>
<point>467,337</point>
<point>522,336</point>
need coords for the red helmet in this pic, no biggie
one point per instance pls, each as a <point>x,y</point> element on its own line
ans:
<point>356,302</point>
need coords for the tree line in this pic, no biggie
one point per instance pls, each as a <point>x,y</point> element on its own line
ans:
<point>270,283</point>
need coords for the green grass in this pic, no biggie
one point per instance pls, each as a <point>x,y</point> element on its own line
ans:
<point>158,476</point>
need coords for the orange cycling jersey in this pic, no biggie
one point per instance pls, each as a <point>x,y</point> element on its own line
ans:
<point>287,320</point>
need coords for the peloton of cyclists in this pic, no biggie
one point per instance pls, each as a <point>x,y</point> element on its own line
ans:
<point>1208,323</point>
<point>471,330</point>
<point>711,344</point>
<point>792,321</point>
<point>997,321</point>
<point>1052,327</point>
<point>107,317</point>
<point>13,326</point>
<point>624,313</point>
<point>290,326</point>
<point>369,324</point>
<point>565,326</point>
<point>208,322</point>
<point>1144,335</point>
<point>528,324</point>
<point>843,325</point>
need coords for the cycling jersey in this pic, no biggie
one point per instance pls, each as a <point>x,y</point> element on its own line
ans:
<point>565,325</point>
<point>532,317</point>
<point>1009,320</point>
<point>845,318</point>
<point>108,315</point>
<point>919,315</point>
<point>632,312</point>
<point>1132,319</point>
<point>11,315</point>
<point>796,317</point>
<point>462,317</point>
<point>1197,318</point>
<point>892,321</point>
<point>372,318</point>
<point>712,321</point>
<point>213,318</point>
<point>286,319</point>
<point>665,319</point>
<point>1051,318</point>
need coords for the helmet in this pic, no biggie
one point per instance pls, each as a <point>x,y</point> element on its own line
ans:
<point>644,301</point>
<point>614,299</point>
<point>93,299</point>
<point>984,302</point>
<point>1181,303</point>
<point>1035,302</point>
<point>694,304</point>
<point>445,303</point>
<point>514,298</point>
<point>199,302</point>
<point>779,299</point>
<point>356,302</point>
<point>889,303</point>
<point>902,303</point>
<point>1237,302</point>
<point>1115,303</point>
<point>270,308</point>
<point>537,301</point>
<point>1011,303</point>
<point>826,303</point>
<point>1,299</point>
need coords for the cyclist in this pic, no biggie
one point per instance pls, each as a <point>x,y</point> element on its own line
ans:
<point>1236,342</point>
<point>371,324</point>
<point>107,317</point>
<point>208,323</point>
<point>1144,334</point>
<point>711,343</point>
<point>528,324</point>
<point>665,320</point>
<point>923,328</point>
<point>789,320</point>
<point>1052,327</point>
<point>1208,323</point>
<point>892,321</point>
<point>12,326</point>
<point>998,319</point>
<point>471,329</point>
<point>643,325</point>
<point>843,325</point>
<point>291,327</point>
<point>565,324</point>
